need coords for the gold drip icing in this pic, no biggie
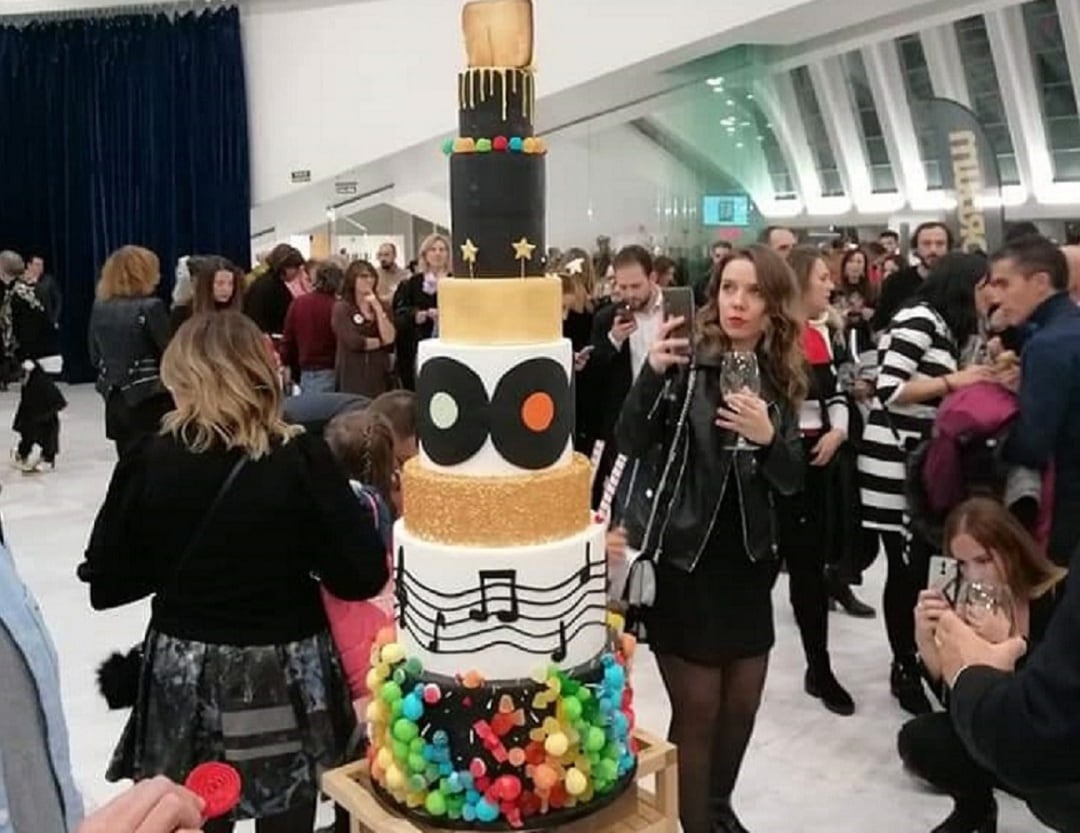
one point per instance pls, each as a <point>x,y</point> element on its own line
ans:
<point>477,85</point>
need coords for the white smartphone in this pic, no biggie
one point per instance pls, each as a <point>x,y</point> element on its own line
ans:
<point>944,576</point>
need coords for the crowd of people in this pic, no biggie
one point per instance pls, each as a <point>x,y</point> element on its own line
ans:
<point>921,406</point>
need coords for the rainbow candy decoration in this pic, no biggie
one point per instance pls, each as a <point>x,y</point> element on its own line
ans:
<point>551,743</point>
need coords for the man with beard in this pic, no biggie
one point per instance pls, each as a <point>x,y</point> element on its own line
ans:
<point>931,242</point>
<point>622,335</point>
<point>390,274</point>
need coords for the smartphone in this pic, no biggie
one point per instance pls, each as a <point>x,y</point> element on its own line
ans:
<point>679,302</point>
<point>624,313</point>
<point>944,576</point>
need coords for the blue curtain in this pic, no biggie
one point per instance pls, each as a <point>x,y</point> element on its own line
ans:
<point>119,130</point>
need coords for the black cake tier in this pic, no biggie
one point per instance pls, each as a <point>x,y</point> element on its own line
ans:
<point>498,206</point>
<point>496,102</point>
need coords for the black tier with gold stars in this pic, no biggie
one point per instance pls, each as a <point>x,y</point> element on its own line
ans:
<point>497,202</point>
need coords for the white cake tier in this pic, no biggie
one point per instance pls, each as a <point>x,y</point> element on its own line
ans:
<point>499,410</point>
<point>504,612</point>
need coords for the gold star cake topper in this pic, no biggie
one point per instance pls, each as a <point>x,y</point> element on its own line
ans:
<point>523,251</point>
<point>468,254</point>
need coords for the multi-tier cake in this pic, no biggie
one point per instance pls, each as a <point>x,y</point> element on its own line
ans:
<point>503,699</point>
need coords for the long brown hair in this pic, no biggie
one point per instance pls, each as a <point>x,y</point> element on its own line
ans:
<point>781,344</point>
<point>226,387</point>
<point>203,271</point>
<point>1026,568</point>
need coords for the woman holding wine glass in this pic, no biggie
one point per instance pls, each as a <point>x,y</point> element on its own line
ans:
<point>1006,586</point>
<point>727,427</point>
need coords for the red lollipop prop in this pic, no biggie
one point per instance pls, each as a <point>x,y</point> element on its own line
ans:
<point>218,785</point>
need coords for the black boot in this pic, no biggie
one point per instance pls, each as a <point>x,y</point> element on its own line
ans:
<point>820,682</point>
<point>970,817</point>
<point>906,684</point>
<point>725,820</point>
<point>840,593</point>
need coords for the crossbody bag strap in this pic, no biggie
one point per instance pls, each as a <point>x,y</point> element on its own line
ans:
<point>200,530</point>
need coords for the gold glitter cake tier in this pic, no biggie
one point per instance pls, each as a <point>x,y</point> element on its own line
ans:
<point>500,311</point>
<point>497,511</point>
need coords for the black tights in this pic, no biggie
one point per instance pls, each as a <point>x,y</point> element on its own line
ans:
<point>300,819</point>
<point>712,717</point>
<point>907,567</point>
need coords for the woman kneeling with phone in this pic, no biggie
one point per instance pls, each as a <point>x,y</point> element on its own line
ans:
<point>1002,585</point>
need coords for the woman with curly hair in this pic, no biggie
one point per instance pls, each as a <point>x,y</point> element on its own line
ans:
<point>712,531</point>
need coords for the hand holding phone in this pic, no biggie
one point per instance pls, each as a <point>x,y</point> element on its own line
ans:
<point>944,577</point>
<point>679,303</point>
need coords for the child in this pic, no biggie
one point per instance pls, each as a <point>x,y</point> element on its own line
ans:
<point>363,443</point>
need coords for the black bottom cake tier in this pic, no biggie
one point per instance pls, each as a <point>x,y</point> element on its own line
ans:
<point>463,753</point>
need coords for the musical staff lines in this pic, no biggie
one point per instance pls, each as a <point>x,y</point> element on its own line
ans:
<point>500,610</point>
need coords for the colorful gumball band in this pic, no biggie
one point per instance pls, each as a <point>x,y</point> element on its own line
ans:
<point>533,145</point>
<point>532,749</point>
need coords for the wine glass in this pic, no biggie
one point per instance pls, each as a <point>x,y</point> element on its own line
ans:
<point>739,373</point>
<point>985,597</point>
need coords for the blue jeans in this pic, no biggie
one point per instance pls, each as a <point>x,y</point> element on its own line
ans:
<point>318,381</point>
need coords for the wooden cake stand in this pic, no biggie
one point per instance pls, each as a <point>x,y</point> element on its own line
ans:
<point>638,810</point>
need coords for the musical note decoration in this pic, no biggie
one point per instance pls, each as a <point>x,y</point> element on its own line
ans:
<point>575,266</point>
<point>523,251</point>
<point>440,623</point>
<point>501,610</point>
<point>469,251</point>
<point>496,579</point>
<point>559,654</point>
<point>401,593</point>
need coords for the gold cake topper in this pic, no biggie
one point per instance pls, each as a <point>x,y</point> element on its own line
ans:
<point>498,33</point>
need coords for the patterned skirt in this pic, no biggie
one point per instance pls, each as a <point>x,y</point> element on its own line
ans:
<point>279,714</point>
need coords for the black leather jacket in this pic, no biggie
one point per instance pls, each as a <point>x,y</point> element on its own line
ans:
<point>127,338</point>
<point>664,410</point>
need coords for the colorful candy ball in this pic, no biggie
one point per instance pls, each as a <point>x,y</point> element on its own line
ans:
<point>405,730</point>
<point>432,694</point>
<point>595,739</point>
<point>412,708</point>
<point>448,146</point>
<point>545,777</point>
<point>517,145</point>
<point>556,744</point>
<point>435,803</point>
<point>393,652</point>
<point>576,782</point>
<point>500,143</point>
<point>391,692</point>
<point>483,146</point>
<point>486,811</point>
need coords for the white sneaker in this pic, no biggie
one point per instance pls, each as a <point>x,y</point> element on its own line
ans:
<point>27,465</point>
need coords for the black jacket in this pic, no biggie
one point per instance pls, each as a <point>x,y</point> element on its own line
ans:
<point>608,375</point>
<point>1025,727</point>
<point>410,298</point>
<point>665,410</point>
<point>266,303</point>
<point>127,339</point>
<point>35,333</point>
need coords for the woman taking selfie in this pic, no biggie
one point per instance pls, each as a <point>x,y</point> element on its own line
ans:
<point>232,519</point>
<point>729,451</point>
<point>995,554</point>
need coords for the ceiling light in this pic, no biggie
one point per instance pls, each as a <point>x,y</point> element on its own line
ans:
<point>749,96</point>
<point>738,144</point>
<point>730,102</point>
<point>714,82</point>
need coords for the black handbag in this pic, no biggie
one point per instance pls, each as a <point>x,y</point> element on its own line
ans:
<point>118,676</point>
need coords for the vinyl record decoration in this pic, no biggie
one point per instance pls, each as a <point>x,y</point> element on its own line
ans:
<point>533,414</point>
<point>453,411</point>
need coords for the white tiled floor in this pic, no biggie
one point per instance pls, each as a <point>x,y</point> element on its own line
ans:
<point>806,770</point>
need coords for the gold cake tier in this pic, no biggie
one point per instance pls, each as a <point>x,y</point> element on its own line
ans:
<point>500,311</point>
<point>496,511</point>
